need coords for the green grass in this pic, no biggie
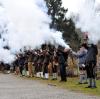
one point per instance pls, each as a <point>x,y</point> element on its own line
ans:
<point>71,85</point>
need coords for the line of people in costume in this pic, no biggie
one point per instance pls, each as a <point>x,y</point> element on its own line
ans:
<point>40,62</point>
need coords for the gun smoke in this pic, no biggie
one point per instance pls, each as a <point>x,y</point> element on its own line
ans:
<point>25,23</point>
<point>86,15</point>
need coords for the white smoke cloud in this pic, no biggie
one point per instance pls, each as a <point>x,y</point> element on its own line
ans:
<point>6,56</point>
<point>27,24</point>
<point>86,16</point>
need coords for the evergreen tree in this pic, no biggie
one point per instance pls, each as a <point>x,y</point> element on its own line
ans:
<point>61,23</point>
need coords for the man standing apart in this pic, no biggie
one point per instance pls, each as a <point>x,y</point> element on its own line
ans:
<point>62,59</point>
<point>91,60</point>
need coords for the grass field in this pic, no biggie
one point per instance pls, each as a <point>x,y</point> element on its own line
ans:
<point>72,85</point>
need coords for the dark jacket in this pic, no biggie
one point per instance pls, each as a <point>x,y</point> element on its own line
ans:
<point>92,54</point>
<point>62,57</point>
<point>22,61</point>
<point>47,58</point>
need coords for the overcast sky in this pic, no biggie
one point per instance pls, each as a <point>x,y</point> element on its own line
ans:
<point>87,13</point>
<point>74,5</point>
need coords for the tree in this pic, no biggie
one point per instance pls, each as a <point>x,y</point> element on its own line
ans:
<point>61,23</point>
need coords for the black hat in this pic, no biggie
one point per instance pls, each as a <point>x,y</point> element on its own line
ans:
<point>60,48</point>
<point>84,45</point>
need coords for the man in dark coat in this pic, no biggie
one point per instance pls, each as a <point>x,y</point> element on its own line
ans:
<point>40,64</point>
<point>45,64</point>
<point>21,63</point>
<point>35,63</point>
<point>62,59</point>
<point>91,60</point>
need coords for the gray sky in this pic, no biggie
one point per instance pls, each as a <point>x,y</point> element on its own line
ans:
<point>74,5</point>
